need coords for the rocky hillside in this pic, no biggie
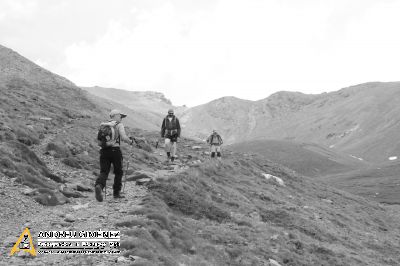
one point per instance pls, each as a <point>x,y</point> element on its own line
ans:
<point>360,120</point>
<point>152,105</point>
<point>39,107</point>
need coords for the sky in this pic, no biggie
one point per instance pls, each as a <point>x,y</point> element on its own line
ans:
<point>195,51</point>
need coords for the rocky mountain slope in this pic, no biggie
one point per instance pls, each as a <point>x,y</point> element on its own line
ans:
<point>244,210</point>
<point>152,105</point>
<point>360,120</point>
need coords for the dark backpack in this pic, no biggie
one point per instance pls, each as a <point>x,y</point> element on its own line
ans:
<point>170,125</point>
<point>105,134</point>
<point>218,138</point>
<point>171,128</point>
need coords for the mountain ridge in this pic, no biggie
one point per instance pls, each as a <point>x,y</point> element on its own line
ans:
<point>356,120</point>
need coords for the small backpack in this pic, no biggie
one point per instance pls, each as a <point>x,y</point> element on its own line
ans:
<point>106,135</point>
<point>219,140</point>
<point>171,127</point>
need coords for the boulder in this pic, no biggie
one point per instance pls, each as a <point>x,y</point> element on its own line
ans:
<point>29,191</point>
<point>137,177</point>
<point>196,147</point>
<point>143,181</point>
<point>69,218</point>
<point>122,259</point>
<point>83,188</point>
<point>273,263</point>
<point>49,197</point>
<point>276,179</point>
<point>71,194</point>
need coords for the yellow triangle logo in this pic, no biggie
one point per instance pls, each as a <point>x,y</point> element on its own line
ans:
<point>24,243</point>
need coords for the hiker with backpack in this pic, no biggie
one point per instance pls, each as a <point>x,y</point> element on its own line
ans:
<point>109,139</point>
<point>171,131</point>
<point>215,142</point>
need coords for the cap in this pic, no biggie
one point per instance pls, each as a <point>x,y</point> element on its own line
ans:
<point>170,111</point>
<point>117,112</point>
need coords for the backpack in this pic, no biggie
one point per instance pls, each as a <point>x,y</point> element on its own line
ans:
<point>106,135</point>
<point>218,138</point>
<point>170,127</point>
<point>172,124</point>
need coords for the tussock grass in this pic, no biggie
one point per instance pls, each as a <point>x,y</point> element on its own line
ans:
<point>133,222</point>
<point>161,238</point>
<point>187,202</point>
<point>73,162</point>
<point>6,163</point>
<point>160,219</point>
<point>27,137</point>
<point>60,151</point>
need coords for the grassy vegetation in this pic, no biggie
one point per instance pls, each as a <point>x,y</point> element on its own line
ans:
<point>231,215</point>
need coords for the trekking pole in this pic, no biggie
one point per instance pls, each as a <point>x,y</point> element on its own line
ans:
<point>127,167</point>
<point>126,171</point>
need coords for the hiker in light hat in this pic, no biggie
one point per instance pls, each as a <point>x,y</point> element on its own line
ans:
<point>215,141</point>
<point>110,153</point>
<point>171,131</point>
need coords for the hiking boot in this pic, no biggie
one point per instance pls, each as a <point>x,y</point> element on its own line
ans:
<point>118,196</point>
<point>98,193</point>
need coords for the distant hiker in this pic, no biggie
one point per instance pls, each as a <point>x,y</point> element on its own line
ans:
<point>110,153</point>
<point>215,141</point>
<point>171,131</point>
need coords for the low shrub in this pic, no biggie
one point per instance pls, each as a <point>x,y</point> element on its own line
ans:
<point>131,223</point>
<point>59,150</point>
<point>6,163</point>
<point>27,138</point>
<point>33,181</point>
<point>187,202</point>
<point>147,254</point>
<point>160,219</point>
<point>70,161</point>
<point>161,238</point>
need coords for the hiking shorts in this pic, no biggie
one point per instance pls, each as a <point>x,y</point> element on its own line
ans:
<point>170,146</point>
<point>215,148</point>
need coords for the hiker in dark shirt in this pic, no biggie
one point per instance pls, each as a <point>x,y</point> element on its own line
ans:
<point>111,154</point>
<point>171,131</point>
<point>215,142</point>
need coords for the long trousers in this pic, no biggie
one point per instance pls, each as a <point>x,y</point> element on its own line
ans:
<point>110,156</point>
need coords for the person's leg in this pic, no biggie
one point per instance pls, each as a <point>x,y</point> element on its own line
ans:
<point>118,172</point>
<point>212,151</point>
<point>218,149</point>
<point>105,164</point>
<point>168,147</point>
<point>173,150</point>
